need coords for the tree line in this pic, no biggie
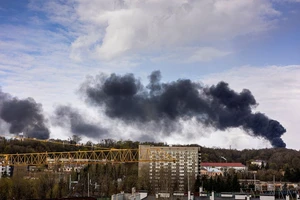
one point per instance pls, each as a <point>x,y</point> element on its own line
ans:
<point>281,163</point>
<point>104,180</point>
<point>278,161</point>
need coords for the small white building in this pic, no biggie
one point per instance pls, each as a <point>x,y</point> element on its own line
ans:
<point>5,170</point>
<point>211,172</point>
<point>127,196</point>
<point>259,163</point>
<point>223,166</point>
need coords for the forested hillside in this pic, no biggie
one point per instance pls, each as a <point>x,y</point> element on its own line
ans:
<point>282,163</point>
<point>277,158</point>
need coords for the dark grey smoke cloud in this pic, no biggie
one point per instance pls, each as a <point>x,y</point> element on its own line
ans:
<point>124,97</point>
<point>23,115</point>
<point>67,116</point>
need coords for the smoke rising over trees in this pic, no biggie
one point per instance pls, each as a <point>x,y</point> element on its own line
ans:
<point>68,116</point>
<point>153,106</point>
<point>23,115</point>
<point>126,98</point>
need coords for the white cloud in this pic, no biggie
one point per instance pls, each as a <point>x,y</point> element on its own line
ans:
<point>286,1</point>
<point>207,54</point>
<point>188,55</point>
<point>106,30</point>
<point>35,62</point>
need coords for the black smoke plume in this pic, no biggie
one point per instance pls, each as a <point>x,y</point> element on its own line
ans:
<point>67,116</point>
<point>24,116</point>
<point>125,97</point>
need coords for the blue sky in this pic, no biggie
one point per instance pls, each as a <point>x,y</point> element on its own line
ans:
<point>47,48</point>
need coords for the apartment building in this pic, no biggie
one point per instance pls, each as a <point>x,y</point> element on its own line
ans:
<point>166,175</point>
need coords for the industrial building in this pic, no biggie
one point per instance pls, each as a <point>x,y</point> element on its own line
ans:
<point>170,176</point>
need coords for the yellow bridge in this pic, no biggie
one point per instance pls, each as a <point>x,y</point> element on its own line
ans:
<point>85,157</point>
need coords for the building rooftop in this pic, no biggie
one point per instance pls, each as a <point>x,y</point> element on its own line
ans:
<point>214,170</point>
<point>207,164</point>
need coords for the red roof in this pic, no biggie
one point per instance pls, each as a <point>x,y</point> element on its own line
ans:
<point>206,164</point>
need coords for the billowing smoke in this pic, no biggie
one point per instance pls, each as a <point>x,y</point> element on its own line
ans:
<point>67,116</point>
<point>125,98</point>
<point>234,110</point>
<point>23,115</point>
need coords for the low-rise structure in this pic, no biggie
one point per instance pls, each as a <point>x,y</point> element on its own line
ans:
<point>223,167</point>
<point>67,165</point>
<point>259,163</point>
<point>211,172</point>
<point>5,170</point>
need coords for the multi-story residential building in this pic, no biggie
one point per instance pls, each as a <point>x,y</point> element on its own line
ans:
<point>170,176</point>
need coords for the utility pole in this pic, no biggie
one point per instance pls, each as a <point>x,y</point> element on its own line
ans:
<point>88,184</point>
<point>189,192</point>
<point>254,182</point>
<point>274,183</point>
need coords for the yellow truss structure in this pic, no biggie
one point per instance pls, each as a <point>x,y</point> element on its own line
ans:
<point>84,157</point>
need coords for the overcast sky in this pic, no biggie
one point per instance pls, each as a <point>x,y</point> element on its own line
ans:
<point>48,48</point>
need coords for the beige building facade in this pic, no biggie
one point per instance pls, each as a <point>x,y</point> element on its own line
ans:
<point>165,174</point>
